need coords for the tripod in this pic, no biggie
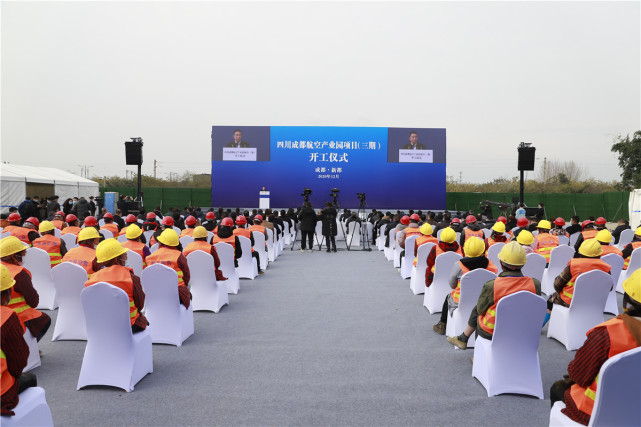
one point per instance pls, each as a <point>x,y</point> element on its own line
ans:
<point>363,228</point>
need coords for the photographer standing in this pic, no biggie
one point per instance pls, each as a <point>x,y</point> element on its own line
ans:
<point>308,219</point>
<point>328,217</point>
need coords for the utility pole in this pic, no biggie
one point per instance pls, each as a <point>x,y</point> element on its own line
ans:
<point>154,169</point>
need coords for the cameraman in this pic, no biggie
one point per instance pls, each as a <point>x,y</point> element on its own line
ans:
<point>328,217</point>
<point>308,219</point>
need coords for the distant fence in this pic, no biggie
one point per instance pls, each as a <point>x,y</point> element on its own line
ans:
<point>611,205</point>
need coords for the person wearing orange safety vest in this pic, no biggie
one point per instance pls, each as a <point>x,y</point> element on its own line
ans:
<point>72,227</point>
<point>605,238</point>
<point>626,253</point>
<point>226,235</point>
<point>169,253</point>
<point>200,244</point>
<point>14,351</point>
<point>24,298</point>
<point>167,223</point>
<point>606,340</point>
<point>474,258</point>
<point>51,244</point>
<point>497,236</point>
<point>544,241</point>
<point>412,229</point>
<point>588,232</point>
<point>27,233</point>
<point>256,226</point>
<point>134,244</point>
<point>110,225</point>
<point>129,219</point>
<point>241,221</point>
<point>84,254</point>
<point>113,256</point>
<point>190,223</point>
<point>58,220</point>
<point>509,281</point>
<point>472,228</point>
<point>447,243</point>
<point>425,237</point>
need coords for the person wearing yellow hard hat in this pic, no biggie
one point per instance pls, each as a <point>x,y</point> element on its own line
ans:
<point>526,239</point>
<point>544,241</point>
<point>24,298</point>
<point>606,340</point>
<point>497,236</point>
<point>84,254</point>
<point>626,253</point>
<point>169,253</point>
<point>425,237</point>
<point>588,259</point>
<point>511,280</point>
<point>49,243</point>
<point>113,257</point>
<point>605,238</point>
<point>200,236</point>
<point>474,258</point>
<point>447,243</point>
<point>134,243</point>
<point>15,351</point>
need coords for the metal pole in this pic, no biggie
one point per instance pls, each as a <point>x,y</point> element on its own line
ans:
<point>139,183</point>
<point>521,188</point>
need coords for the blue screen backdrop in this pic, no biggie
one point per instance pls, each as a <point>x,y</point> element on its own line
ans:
<point>352,159</point>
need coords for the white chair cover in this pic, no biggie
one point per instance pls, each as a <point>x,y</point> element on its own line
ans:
<point>370,230</point>
<point>169,321</point>
<point>134,261</point>
<point>635,263</point>
<point>270,245</point>
<point>226,257</point>
<point>397,251</point>
<point>114,356</point>
<point>287,237</point>
<point>210,236</point>
<point>38,262</point>
<point>70,240</point>
<point>5,234</point>
<point>207,294</point>
<point>154,248</point>
<point>417,280</point>
<point>535,266</point>
<point>57,232</point>
<point>32,410</point>
<point>616,262</point>
<point>438,290</point>
<point>573,238</point>
<point>259,246</point>
<point>568,325</point>
<point>247,268</point>
<point>177,230</point>
<point>509,363</point>
<point>559,259</point>
<point>486,232</point>
<point>122,238</point>
<point>33,361</point>
<point>148,235</point>
<point>471,284</point>
<point>408,260</point>
<point>625,238</point>
<point>389,251</point>
<point>353,237</point>
<point>101,222</point>
<point>69,280</point>
<point>108,234</point>
<point>493,254</point>
<point>564,240</point>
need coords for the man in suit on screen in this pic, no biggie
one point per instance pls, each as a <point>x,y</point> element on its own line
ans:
<point>414,144</point>
<point>238,140</point>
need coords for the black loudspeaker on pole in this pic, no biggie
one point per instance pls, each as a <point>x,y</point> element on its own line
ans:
<point>133,156</point>
<point>526,162</point>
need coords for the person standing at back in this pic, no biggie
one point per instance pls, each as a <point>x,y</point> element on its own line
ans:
<point>308,219</point>
<point>328,218</point>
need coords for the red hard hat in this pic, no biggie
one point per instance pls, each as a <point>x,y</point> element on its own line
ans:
<point>456,221</point>
<point>227,222</point>
<point>90,221</point>
<point>240,220</point>
<point>151,215</point>
<point>210,215</point>
<point>13,217</point>
<point>33,220</point>
<point>586,222</point>
<point>168,221</point>
<point>61,213</point>
<point>415,217</point>
<point>559,221</point>
<point>108,215</point>
<point>258,217</point>
<point>405,220</point>
<point>600,221</point>
<point>71,218</point>
<point>470,219</point>
<point>522,222</point>
<point>190,220</point>
<point>502,219</point>
<point>131,218</point>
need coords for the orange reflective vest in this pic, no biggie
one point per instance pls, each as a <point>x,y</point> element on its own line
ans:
<point>620,340</point>
<point>471,233</point>
<point>120,277</point>
<point>504,286</point>
<point>17,302</point>
<point>609,249</point>
<point>6,379</point>
<point>626,262</point>
<point>58,223</point>
<point>456,293</point>
<point>71,229</point>
<point>260,228</point>
<point>441,251</point>
<point>243,232</point>
<point>50,244</point>
<point>169,257</point>
<point>578,266</point>
<point>197,245</point>
<point>412,231</point>
<point>22,233</point>
<point>112,227</point>
<point>546,242</point>
<point>420,240</point>
<point>136,247</point>
<point>187,232</point>
<point>231,240</point>
<point>590,233</point>
<point>83,256</point>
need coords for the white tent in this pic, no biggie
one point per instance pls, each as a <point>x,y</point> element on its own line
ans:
<point>635,208</point>
<point>17,181</point>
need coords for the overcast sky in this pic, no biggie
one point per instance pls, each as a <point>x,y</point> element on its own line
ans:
<point>80,78</point>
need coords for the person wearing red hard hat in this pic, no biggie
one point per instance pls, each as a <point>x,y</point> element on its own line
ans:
<point>600,223</point>
<point>210,221</point>
<point>166,223</point>
<point>151,222</point>
<point>241,222</point>
<point>58,220</point>
<point>191,223</point>
<point>27,233</point>
<point>73,225</point>
<point>130,219</point>
<point>412,229</point>
<point>226,235</point>
<point>472,228</point>
<point>455,224</point>
<point>110,225</point>
<point>588,232</point>
<point>558,229</point>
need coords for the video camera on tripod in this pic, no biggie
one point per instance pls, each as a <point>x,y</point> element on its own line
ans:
<point>334,196</point>
<point>306,193</point>
<point>361,197</point>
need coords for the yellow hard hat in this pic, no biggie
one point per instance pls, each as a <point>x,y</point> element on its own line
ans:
<point>448,235</point>
<point>638,232</point>
<point>88,233</point>
<point>525,238</point>
<point>45,226</point>
<point>109,249</point>
<point>513,254</point>
<point>133,231</point>
<point>11,245</point>
<point>200,232</point>
<point>631,286</point>
<point>426,229</point>
<point>604,236</point>
<point>169,237</point>
<point>499,227</point>
<point>474,247</point>
<point>544,223</point>
<point>591,248</point>
<point>6,281</point>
